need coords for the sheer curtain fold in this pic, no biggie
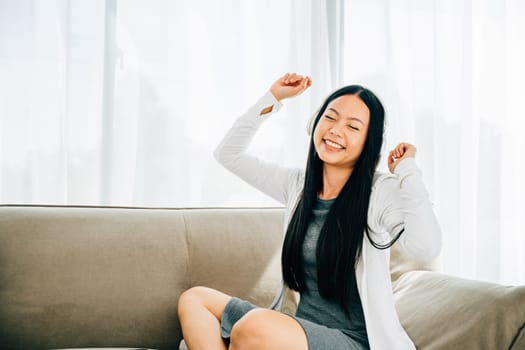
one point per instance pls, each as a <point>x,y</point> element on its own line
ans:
<point>127,100</point>
<point>448,72</point>
<point>122,102</point>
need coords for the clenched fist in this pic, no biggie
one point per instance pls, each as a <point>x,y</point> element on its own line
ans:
<point>290,85</point>
<point>402,151</point>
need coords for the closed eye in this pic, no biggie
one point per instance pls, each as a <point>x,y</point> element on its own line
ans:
<point>353,127</point>
<point>328,117</point>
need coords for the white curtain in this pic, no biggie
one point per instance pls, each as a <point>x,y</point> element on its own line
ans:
<point>122,102</point>
<point>451,74</point>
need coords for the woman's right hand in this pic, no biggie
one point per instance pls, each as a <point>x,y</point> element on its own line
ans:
<point>290,85</point>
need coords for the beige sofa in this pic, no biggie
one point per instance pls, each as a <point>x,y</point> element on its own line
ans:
<point>111,277</point>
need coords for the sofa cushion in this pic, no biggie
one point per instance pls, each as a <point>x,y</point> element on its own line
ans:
<point>401,262</point>
<point>76,277</point>
<point>445,312</point>
<point>237,251</point>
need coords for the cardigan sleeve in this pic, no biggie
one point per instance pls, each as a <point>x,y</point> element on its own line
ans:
<point>268,177</point>
<point>402,202</point>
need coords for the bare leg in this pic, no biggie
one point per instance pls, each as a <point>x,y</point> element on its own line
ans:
<point>200,311</point>
<point>267,329</point>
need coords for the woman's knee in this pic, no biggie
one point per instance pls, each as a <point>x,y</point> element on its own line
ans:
<point>209,298</point>
<point>195,296</point>
<point>192,294</point>
<point>187,299</point>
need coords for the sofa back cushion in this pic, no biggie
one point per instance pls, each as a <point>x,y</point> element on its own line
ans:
<point>445,312</point>
<point>401,262</point>
<point>100,276</point>
<point>76,277</point>
<point>236,251</point>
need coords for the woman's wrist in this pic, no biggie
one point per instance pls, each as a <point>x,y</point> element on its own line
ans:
<point>276,96</point>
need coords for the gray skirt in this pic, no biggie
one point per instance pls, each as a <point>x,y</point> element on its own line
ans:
<point>319,337</point>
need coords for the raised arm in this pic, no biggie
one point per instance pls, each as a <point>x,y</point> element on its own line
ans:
<point>402,202</point>
<point>268,177</point>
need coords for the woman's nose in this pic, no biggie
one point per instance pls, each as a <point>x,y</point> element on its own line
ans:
<point>334,131</point>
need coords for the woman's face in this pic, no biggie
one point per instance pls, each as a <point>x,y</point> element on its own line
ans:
<point>341,132</point>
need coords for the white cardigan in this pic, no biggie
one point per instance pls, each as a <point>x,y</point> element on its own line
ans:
<point>396,201</point>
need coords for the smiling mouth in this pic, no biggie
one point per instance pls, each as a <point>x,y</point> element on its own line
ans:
<point>333,144</point>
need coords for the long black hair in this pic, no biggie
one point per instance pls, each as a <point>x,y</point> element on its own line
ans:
<point>341,237</point>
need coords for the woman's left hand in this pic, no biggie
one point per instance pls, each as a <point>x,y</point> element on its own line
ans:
<point>402,151</point>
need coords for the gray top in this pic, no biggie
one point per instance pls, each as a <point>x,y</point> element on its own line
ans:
<point>312,305</point>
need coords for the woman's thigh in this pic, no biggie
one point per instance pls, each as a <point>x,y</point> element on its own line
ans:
<point>268,329</point>
<point>322,337</point>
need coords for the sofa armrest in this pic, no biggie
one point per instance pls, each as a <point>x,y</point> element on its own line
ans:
<point>445,312</point>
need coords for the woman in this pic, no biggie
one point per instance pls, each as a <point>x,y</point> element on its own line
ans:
<point>342,217</point>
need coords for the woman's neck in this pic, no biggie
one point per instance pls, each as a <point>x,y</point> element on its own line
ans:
<point>334,178</point>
